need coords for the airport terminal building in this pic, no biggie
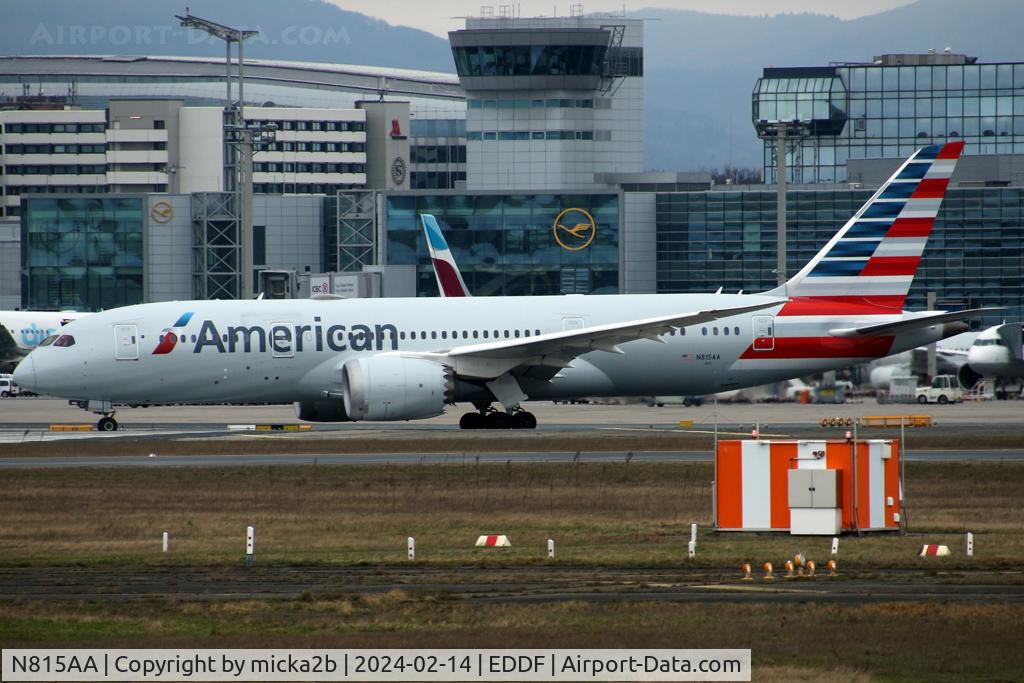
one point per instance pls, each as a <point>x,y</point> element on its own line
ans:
<point>540,130</point>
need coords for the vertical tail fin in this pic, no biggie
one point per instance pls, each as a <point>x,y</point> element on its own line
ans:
<point>874,257</point>
<point>449,279</point>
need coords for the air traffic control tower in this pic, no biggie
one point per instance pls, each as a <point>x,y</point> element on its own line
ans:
<point>552,103</point>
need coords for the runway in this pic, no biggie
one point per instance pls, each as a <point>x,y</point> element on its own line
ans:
<point>381,459</point>
<point>550,583</point>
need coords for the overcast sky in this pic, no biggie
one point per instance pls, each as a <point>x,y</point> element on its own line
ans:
<point>441,16</point>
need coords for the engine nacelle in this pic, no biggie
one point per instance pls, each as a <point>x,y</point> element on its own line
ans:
<point>395,388</point>
<point>967,376</point>
<point>321,410</point>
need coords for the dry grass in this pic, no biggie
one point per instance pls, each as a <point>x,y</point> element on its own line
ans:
<point>613,513</point>
<point>598,513</point>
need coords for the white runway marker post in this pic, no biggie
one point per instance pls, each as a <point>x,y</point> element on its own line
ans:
<point>411,547</point>
<point>693,533</point>
<point>250,545</point>
<point>167,541</point>
<point>835,545</point>
<point>970,544</point>
<point>551,548</point>
<point>692,549</point>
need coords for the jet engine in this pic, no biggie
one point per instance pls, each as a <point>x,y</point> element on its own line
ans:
<point>321,410</point>
<point>395,388</point>
<point>967,376</point>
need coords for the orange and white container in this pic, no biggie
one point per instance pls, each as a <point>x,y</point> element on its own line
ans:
<point>752,482</point>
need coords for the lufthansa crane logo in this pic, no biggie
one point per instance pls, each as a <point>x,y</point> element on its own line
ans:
<point>161,212</point>
<point>574,229</point>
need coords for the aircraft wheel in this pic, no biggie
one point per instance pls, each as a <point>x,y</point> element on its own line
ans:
<point>922,399</point>
<point>107,424</point>
<point>471,421</point>
<point>524,420</point>
<point>942,399</point>
<point>498,420</point>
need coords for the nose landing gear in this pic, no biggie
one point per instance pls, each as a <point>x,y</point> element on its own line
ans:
<point>107,423</point>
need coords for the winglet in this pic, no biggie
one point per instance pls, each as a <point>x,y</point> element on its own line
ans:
<point>449,279</point>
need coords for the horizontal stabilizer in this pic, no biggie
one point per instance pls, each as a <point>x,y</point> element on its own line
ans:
<point>925,320</point>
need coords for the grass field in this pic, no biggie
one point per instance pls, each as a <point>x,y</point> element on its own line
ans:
<point>600,514</point>
<point>623,514</point>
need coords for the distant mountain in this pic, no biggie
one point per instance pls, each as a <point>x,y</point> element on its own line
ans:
<point>304,30</point>
<point>701,68</point>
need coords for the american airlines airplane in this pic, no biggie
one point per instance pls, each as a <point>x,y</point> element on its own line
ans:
<point>21,331</point>
<point>407,359</point>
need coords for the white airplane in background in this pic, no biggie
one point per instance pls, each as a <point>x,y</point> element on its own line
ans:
<point>21,331</point>
<point>997,353</point>
<point>406,359</point>
<point>951,359</point>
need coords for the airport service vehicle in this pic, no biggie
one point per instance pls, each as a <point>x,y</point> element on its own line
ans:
<point>21,331</point>
<point>8,387</point>
<point>943,389</point>
<point>407,359</point>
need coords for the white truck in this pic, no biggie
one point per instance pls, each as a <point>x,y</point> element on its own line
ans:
<point>8,388</point>
<point>943,389</point>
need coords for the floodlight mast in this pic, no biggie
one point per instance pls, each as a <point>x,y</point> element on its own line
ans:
<point>238,146</point>
<point>781,132</point>
<point>228,35</point>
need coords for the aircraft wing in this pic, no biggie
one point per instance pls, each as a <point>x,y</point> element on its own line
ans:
<point>558,349</point>
<point>907,325</point>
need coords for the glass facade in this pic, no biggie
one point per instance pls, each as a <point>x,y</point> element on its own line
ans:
<point>82,253</point>
<point>974,256</point>
<point>530,60</point>
<point>893,110</point>
<point>818,102</point>
<point>505,244</point>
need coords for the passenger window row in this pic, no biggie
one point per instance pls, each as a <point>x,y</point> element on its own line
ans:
<point>467,334</point>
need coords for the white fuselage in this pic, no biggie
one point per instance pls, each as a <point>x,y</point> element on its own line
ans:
<point>283,351</point>
<point>989,356</point>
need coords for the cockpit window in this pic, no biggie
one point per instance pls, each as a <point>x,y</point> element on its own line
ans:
<point>49,340</point>
<point>64,340</point>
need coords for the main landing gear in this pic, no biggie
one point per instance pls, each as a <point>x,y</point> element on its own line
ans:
<point>489,418</point>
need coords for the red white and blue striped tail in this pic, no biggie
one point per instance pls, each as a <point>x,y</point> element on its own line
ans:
<point>449,279</point>
<point>872,260</point>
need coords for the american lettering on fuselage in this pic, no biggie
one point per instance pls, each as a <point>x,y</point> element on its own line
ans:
<point>288,338</point>
<point>375,360</point>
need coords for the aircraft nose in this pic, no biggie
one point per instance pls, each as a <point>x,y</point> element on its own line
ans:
<point>25,374</point>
